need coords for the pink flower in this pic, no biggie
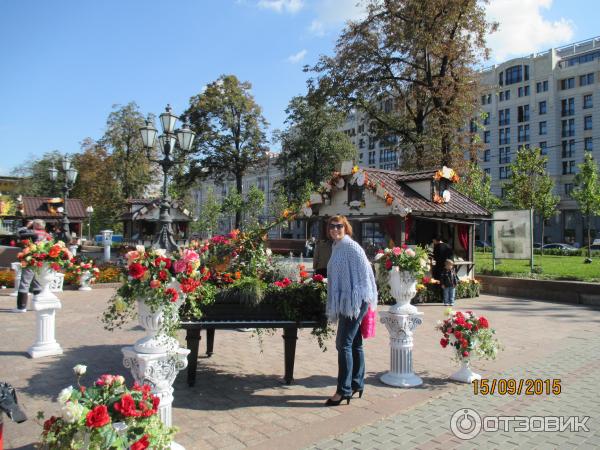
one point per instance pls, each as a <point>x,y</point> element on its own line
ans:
<point>132,256</point>
<point>396,251</point>
<point>105,380</point>
<point>180,265</point>
<point>190,255</point>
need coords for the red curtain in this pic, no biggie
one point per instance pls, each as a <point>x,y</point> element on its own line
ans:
<point>389,226</point>
<point>463,236</point>
<point>407,226</point>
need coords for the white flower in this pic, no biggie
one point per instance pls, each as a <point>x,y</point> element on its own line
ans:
<point>378,256</point>
<point>140,248</point>
<point>65,394</point>
<point>269,252</point>
<point>80,370</point>
<point>410,252</point>
<point>325,280</point>
<point>160,251</point>
<point>72,412</point>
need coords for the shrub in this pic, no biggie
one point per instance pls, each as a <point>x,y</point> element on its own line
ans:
<point>7,278</point>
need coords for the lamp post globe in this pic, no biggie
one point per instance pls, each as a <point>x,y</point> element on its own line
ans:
<point>69,181</point>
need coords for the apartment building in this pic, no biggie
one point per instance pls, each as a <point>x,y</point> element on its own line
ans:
<point>549,100</point>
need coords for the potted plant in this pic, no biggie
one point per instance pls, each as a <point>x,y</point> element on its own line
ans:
<point>404,266</point>
<point>469,336</point>
<point>106,415</point>
<point>85,272</point>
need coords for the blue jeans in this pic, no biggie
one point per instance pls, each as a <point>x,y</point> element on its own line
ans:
<point>351,358</point>
<point>449,294</point>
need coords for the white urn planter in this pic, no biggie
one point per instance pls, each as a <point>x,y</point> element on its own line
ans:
<point>155,340</point>
<point>85,280</point>
<point>45,305</point>
<point>465,374</point>
<point>403,287</point>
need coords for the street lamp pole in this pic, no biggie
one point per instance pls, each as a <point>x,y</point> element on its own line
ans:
<point>70,177</point>
<point>89,210</point>
<point>168,141</point>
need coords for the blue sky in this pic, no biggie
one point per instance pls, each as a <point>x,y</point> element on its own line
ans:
<point>66,62</point>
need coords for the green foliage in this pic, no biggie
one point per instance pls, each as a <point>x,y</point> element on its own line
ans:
<point>410,66</point>
<point>247,290</point>
<point>587,192</point>
<point>476,185</point>
<point>312,146</point>
<point>208,222</point>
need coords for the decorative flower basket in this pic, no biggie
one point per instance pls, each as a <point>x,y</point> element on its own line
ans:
<point>470,336</point>
<point>106,415</point>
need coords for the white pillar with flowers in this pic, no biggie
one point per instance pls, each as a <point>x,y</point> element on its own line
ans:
<point>403,266</point>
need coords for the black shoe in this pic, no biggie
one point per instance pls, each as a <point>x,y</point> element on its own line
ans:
<point>360,392</point>
<point>331,402</point>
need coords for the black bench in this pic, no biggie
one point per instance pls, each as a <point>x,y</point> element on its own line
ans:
<point>193,328</point>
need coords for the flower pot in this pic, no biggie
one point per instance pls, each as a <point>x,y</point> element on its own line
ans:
<point>465,374</point>
<point>403,287</point>
<point>85,280</point>
<point>45,276</point>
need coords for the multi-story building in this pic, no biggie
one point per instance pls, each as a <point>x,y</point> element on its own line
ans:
<point>549,100</point>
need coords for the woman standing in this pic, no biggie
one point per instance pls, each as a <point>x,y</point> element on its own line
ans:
<point>351,290</point>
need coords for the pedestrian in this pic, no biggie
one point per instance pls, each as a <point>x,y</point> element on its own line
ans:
<point>34,231</point>
<point>351,290</point>
<point>441,252</point>
<point>321,255</point>
<point>449,281</point>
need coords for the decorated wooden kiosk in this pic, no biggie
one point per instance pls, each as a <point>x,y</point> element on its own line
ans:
<point>389,208</point>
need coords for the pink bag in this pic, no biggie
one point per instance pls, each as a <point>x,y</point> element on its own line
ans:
<point>367,326</point>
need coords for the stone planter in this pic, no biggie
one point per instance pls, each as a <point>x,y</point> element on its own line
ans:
<point>403,287</point>
<point>155,340</point>
<point>85,281</point>
<point>465,374</point>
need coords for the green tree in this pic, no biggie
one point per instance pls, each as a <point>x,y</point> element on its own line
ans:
<point>123,140</point>
<point>530,186</point>
<point>253,206</point>
<point>312,146</point>
<point>230,131</point>
<point>410,65</point>
<point>586,192</point>
<point>35,180</point>
<point>208,220</point>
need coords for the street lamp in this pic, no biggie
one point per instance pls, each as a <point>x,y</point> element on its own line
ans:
<point>89,211</point>
<point>70,177</point>
<point>171,138</point>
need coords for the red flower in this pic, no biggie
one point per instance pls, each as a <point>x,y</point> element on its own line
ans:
<point>173,293</point>
<point>13,243</point>
<point>464,343</point>
<point>318,278</point>
<point>189,285</point>
<point>465,354</point>
<point>97,417</point>
<point>48,424</point>
<point>141,444</point>
<point>162,259</point>
<point>163,275</point>
<point>388,264</point>
<point>426,280</point>
<point>154,284</point>
<point>82,389</point>
<point>126,406</point>
<point>483,323</point>
<point>457,334</point>
<point>54,251</point>
<point>444,342</point>
<point>303,274</point>
<point>55,266</point>
<point>136,270</point>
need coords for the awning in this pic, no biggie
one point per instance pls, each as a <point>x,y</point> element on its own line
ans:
<point>445,220</point>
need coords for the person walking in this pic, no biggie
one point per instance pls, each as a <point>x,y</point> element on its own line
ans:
<point>34,231</point>
<point>449,281</point>
<point>351,290</point>
<point>441,252</point>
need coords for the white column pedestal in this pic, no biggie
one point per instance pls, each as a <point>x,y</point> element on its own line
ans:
<point>45,305</point>
<point>16,266</point>
<point>401,327</point>
<point>159,371</point>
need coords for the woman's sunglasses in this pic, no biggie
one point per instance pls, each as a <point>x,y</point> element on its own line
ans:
<point>336,226</point>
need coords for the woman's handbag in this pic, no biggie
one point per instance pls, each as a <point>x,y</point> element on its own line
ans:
<point>367,326</point>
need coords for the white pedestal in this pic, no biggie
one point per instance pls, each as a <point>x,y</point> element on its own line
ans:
<point>159,371</point>
<point>84,281</point>
<point>401,327</point>
<point>465,374</point>
<point>16,266</point>
<point>45,305</point>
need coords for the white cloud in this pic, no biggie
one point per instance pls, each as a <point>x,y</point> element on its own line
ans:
<point>291,6</point>
<point>523,29</point>
<point>334,13</point>
<point>297,57</point>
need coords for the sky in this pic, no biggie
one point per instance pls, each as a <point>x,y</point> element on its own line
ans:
<point>65,63</point>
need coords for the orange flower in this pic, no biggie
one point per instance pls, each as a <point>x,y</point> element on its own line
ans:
<point>54,251</point>
<point>285,214</point>
<point>389,200</point>
<point>238,275</point>
<point>303,274</point>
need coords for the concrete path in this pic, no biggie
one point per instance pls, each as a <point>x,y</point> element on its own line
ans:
<point>239,400</point>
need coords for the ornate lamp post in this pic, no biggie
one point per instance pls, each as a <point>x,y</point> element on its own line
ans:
<point>171,138</point>
<point>70,177</point>
<point>89,211</point>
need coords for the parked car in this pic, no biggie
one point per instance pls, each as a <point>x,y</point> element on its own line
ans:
<point>482,244</point>
<point>595,244</point>
<point>537,245</point>
<point>561,246</point>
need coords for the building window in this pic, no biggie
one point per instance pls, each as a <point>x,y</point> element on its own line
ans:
<point>504,173</point>
<point>486,137</point>
<point>587,101</point>
<point>542,128</point>
<point>567,83</point>
<point>504,157</point>
<point>506,95</point>
<point>587,123</point>
<point>568,148</point>
<point>504,136</point>
<point>588,144</point>
<point>587,79</point>
<point>372,142</point>
<point>541,86</point>
<point>542,107</point>
<point>544,148</point>
<point>361,128</point>
<point>361,143</point>
<point>523,133</point>
<point>486,155</point>
<point>523,91</point>
<point>568,189</point>
<point>487,171</point>
<point>567,107</point>
<point>360,157</point>
<point>513,75</point>
<point>504,117</point>
<point>568,167</point>
<point>523,113</point>
<point>486,119</point>
<point>568,128</point>
<point>371,158</point>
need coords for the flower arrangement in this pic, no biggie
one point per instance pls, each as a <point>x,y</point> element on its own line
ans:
<point>447,173</point>
<point>35,255</point>
<point>79,266</point>
<point>106,415</point>
<point>468,335</point>
<point>405,258</point>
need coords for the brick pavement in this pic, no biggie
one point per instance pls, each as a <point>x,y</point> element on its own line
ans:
<point>239,400</point>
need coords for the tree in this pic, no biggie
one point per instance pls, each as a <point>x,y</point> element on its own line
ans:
<point>410,65</point>
<point>208,220</point>
<point>530,186</point>
<point>230,131</point>
<point>122,138</point>
<point>35,180</point>
<point>312,146</point>
<point>586,192</point>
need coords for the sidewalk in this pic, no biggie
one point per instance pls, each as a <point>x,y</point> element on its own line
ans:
<point>239,400</point>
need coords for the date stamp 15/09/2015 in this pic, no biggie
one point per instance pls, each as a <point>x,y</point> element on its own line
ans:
<point>522,386</point>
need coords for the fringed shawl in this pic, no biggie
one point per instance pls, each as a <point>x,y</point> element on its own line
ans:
<point>350,280</point>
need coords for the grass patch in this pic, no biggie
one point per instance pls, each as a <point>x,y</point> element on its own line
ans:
<point>547,267</point>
